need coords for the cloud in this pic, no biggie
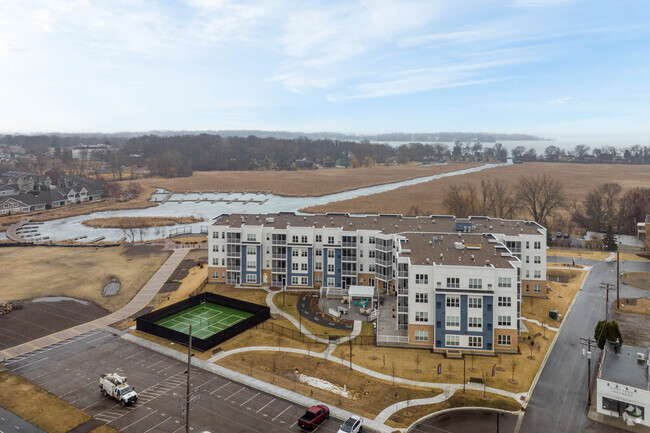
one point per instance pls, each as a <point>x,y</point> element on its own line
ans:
<point>562,100</point>
<point>540,3</point>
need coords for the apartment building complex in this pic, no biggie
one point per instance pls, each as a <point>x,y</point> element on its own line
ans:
<point>443,282</point>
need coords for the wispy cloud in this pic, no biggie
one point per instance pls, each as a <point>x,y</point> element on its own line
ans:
<point>562,100</point>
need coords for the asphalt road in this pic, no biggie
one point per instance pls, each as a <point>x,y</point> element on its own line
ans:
<point>12,423</point>
<point>465,421</point>
<point>71,372</point>
<point>559,401</point>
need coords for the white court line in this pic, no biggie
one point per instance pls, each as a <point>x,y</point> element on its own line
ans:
<point>232,395</point>
<point>138,420</point>
<point>250,399</point>
<point>288,407</point>
<point>219,388</point>
<point>266,405</point>
<point>168,418</point>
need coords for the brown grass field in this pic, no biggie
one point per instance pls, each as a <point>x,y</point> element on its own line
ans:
<point>79,273</point>
<point>300,183</point>
<point>409,415</point>
<point>578,180</point>
<point>640,280</point>
<point>371,395</point>
<point>559,297</point>
<point>138,222</point>
<point>38,406</point>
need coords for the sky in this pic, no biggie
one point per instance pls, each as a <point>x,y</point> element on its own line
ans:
<point>554,68</point>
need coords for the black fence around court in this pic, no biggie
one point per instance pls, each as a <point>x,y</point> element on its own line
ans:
<point>295,334</point>
<point>146,323</point>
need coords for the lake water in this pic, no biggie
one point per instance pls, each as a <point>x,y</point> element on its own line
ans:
<point>68,228</point>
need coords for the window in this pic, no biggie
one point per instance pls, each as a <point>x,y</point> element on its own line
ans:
<point>223,235</point>
<point>453,301</point>
<point>294,266</point>
<point>421,316</point>
<point>331,282</point>
<point>303,239</point>
<point>318,266</point>
<point>215,235</point>
<point>215,275</point>
<point>330,254</point>
<point>319,253</point>
<point>504,321</point>
<point>422,298</point>
<point>527,244</point>
<point>452,340</point>
<point>319,238</point>
<point>251,251</point>
<point>294,252</point>
<point>474,322</point>
<point>475,283</point>
<point>453,283</point>
<point>371,267</point>
<point>215,262</point>
<point>537,288</point>
<point>475,341</point>
<point>303,252</point>
<point>371,239</point>
<point>303,281</point>
<point>538,259</point>
<point>505,301</point>
<point>537,274</point>
<point>330,239</point>
<point>215,248</point>
<point>360,239</point>
<point>250,237</point>
<point>360,268</point>
<point>294,239</point>
<point>223,262</point>
<point>330,268</point>
<point>223,248</point>
<point>294,281</point>
<point>251,278</point>
<point>303,266</point>
<point>505,282</point>
<point>538,245</point>
<point>421,279</point>
<point>527,273</point>
<point>421,336</point>
<point>527,259</point>
<point>503,340</point>
<point>452,321</point>
<point>360,253</point>
<point>372,254</point>
<point>319,279</point>
<point>251,264</point>
<point>475,302</point>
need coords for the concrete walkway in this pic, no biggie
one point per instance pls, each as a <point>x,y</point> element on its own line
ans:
<point>139,301</point>
<point>538,323</point>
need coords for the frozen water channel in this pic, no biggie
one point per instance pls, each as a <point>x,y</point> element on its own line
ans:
<point>209,205</point>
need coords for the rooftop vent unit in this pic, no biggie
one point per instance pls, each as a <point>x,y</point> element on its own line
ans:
<point>428,260</point>
<point>304,218</point>
<point>374,220</point>
<point>270,219</point>
<point>419,227</point>
<point>442,256</point>
<point>516,224</point>
<point>472,257</point>
<point>502,223</point>
<point>257,217</point>
<point>350,224</point>
<point>521,230</point>
<point>433,221</point>
<point>640,356</point>
<point>487,263</point>
<point>459,245</point>
<point>430,242</point>
<point>490,227</point>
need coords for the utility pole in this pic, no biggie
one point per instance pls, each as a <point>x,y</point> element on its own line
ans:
<point>618,278</point>
<point>464,373</point>
<point>187,396</point>
<point>605,286</point>
<point>588,342</point>
<point>350,341</point>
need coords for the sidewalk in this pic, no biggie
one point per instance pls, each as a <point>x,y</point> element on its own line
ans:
<point>139,301</point>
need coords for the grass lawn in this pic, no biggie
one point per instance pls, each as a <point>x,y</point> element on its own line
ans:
<point>38,406</point>
<point>578,180</point>
<point>639,280</point>
<point>138,222</point>
<point>249,295</point>
<point>191,240</point>
<point>104,429</point>
<point>290,308</point>
<point>409,415</point>
<point>559,296</point>
<point>79,273</point>
<point>299,182</point>
<point>420,364</point>
<point>578,254</point>
<point>641,306</point>
<point>262,337</point>
<point>371,395</point>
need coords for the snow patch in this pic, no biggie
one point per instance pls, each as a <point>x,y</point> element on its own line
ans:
<point>325,385</point>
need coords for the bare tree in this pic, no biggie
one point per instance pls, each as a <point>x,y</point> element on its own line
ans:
<point>417,363</point>
<point>513,367</point>
<point>504,200</point>
<point>540,195</point>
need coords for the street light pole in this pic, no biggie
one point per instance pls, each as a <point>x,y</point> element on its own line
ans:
<point>588,342</point>
<point>618,278</point>
<point>187,397</point>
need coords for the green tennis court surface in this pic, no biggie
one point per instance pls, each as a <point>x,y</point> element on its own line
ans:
<point>206,319</point>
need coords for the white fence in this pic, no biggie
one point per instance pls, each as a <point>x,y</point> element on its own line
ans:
<point>392,339</point>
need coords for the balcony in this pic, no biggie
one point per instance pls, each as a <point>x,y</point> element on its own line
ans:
<point>349,258</point>
<point>279,255</point>
<point>402,291</point>
<point>349,244</point>
<point>403,274</point>
<point>279,242</point>
<point>384,262</point>
<point>349,273</point>
<point>234,268</point>
<point>402,309</point>
<point>279,270</point>
<point>235,254</point>
<point>385,248</point>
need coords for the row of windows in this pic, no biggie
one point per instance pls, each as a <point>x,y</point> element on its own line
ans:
<point>472,301</point>
<point>303,281</point>
<point>536,274</point>
<point>536,259</point>
<point>454,340</point>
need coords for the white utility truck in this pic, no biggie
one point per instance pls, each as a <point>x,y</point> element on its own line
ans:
<point>114,385</point>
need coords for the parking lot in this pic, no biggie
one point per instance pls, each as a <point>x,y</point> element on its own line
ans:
<point>71,372</point>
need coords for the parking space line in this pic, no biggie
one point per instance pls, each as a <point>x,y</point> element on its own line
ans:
<point>27,365</point>
<point>266,405</point>
<point>168,418</point>
<point>288,407</point>
<point>138,420</point>
<point>219,388</point>
<point>166,368</point>
<point>232,395</point>
<point>250,399</point>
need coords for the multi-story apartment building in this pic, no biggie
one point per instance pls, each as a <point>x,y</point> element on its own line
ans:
<point>446,283</point>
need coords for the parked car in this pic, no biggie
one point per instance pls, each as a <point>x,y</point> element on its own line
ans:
<point>354,424</point>
<point>558,234</point>
<point>314,416</point>
<point>566,236</point>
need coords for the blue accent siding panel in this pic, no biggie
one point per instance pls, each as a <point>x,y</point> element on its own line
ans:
<point>310,267</point>
<point>289,268</point>
<point>337,266</point>
<point>440,317</point>
<point>244,270</point>
<point>488,322</point>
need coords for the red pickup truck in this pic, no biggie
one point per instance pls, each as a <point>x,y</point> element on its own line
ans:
<point>314,416</point>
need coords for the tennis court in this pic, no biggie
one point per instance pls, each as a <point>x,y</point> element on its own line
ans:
<point>206,319</point>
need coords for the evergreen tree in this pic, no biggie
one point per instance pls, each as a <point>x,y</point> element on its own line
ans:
<point>609,241</point>
<point>607,331</point>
